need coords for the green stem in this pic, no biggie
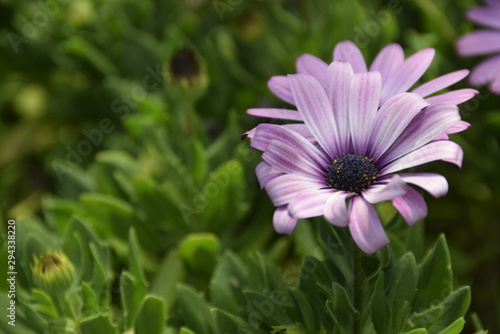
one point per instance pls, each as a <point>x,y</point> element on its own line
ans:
<point>63,306</point>
<point>356,265</point>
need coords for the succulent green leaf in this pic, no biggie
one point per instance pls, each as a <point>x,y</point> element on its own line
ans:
<point>404,283</point>
<point>89,301</point>
<point>341,309</point>
<point>200,251</point>
<point>435,268</point>
<point>379,307</point>
<point>194,310</point>
<point>151,316</point>
<point>229,323</point>
<point>98,324</point>
<point>170,272</point>
<point>454,328</point>
<point>417,331</point>
<point>267,308</point>
<point>309,318</point>
<point>454,307</point>
<point>427,318</point>
<point>228,278</point>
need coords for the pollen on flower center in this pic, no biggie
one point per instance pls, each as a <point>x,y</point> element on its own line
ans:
<point>351,172</point>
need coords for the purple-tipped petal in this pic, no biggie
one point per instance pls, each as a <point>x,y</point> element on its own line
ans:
<point>266,173</point>
<point>434,184</point>
<point>287,114</point>
<point>387,60</point>
<point>348,51</point>
<point>302,130</point>
<point>364,97</point>
<point>249,134</point>
<point>337,85</point>
<point>335,209</point>
<point>384,192</point>
<point>316,111</point>
<point>479,42</point>
<point>312,65</point>
<point>458,127</point>
<point>454,97</point>
<point>411,206</point>
<point>437,150</point>
<point>487,72</point>
<point>425,127</point>
<point>284,188</point>
<point>289,160</point>
<point>485,16</point>
<point>281,88</point>
<point>309,203</point>
<point>365,226</point>
<point>407,74</point>
<point>439,83</point>
<point>282,221</point>
<point>493,3</point>
<point>392,118</point>
<point>265,133</point>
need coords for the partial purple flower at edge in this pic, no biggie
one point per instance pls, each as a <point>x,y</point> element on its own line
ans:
<point>484,42</point>
<point>355,150</point>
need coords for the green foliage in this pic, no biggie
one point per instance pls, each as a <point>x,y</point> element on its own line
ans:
<point>160,213</point>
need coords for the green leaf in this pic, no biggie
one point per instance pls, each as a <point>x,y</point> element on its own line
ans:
<point>76,243</point>
<point>227,279</point>
<point>118,214</point>
<point>229,323</point>
<point>454,307</point>
<point>159,208</point>
<point>44,302</point>
<point>401,318</point>
<point>403,283</point>
<point>379,307</point>
<point>185,330</point>
<point>309,318</point>
<point>98,324</point>
<point>169,273</point>
<point>454,328</point>
<point>89,301</point>
<point>417,331</point>
<point>194,310</point>
<point>151,316</point>
<point>225,188</point>
<point>130,299</point>
<point>135,260</point>
<point>427,318</point>
<point>200,251</point>
<point>78,46</point>
<point>435,268</point>
<point>268,307</point>
<point>341,309</point>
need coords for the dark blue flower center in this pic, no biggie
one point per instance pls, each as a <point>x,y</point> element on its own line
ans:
<point>351,172</point>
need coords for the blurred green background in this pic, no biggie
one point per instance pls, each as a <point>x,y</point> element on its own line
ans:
<point>123,112</point>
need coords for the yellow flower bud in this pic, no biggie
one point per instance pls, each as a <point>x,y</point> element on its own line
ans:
<point>53,272</point>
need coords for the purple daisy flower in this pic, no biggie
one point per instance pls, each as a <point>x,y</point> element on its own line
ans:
<point>348,159</point>
<point>397,76</point>
<point>484,42</point>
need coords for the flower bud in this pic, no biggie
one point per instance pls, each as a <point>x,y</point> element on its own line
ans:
<point>187,75</point>
<point>53,272</point>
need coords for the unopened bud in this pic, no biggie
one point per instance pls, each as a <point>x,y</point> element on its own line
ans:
<point>53,272</point>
